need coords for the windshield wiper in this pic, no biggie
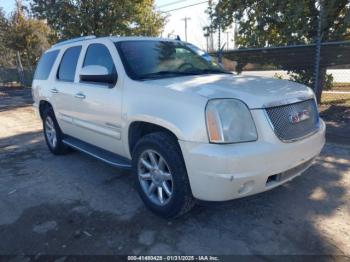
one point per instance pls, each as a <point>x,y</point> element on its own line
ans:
<point>164,73</point>
<point>169,73</point>
<point>209,71</point>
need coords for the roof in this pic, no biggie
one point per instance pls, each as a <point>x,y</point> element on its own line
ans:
<point>112,38</point>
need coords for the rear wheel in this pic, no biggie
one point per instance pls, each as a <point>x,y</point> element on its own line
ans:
<point>53,134</point>
<point>161,176</point>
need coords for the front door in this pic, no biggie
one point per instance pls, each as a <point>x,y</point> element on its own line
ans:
<point>98,105</point>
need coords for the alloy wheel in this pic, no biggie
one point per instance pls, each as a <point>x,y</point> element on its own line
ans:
<point>155,177</point>
<point>50,132</point>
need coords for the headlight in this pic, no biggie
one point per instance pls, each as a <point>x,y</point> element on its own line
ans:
<point>229,121</point>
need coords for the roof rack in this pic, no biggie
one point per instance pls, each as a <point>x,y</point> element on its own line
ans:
<point>74,40</point>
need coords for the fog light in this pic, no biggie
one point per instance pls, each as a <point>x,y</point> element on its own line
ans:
<point>246,187</point>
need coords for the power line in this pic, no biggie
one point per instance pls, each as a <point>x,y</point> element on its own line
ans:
<point>172,3</point>
<point>184,7</point>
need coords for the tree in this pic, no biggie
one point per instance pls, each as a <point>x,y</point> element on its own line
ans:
<point>70,18</point>
<point>274,23</point>
<point>6,54</point>
<point>27,37</point>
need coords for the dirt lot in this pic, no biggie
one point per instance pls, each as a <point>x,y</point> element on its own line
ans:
<point>74,204</point>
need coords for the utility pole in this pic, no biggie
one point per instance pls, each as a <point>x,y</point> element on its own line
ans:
<point>219,32</point>
<point>186,19</point>
<point>206,30</point>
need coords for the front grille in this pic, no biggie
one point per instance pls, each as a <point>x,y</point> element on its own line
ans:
<point>287,129</point>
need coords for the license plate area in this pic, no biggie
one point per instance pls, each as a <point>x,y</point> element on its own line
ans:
<point>283,176</point>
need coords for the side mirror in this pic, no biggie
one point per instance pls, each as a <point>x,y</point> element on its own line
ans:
<point>97,74</point>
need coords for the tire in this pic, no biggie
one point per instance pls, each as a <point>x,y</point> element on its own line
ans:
<point>53,134</point>
<point>168,158</point>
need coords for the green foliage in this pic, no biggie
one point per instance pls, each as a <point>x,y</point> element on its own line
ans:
<point>28,36</point>
<point>278,76</point>
<point>6,54</point>
<point>22,41</point>
<point>306,76</point>
<point>274,23</point>
<point>72,18</point>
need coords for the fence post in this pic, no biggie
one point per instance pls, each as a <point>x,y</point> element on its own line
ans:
<point>219,37</point>
<point>317,87</point>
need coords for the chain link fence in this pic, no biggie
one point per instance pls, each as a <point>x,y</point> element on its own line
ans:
<point>10,77</point>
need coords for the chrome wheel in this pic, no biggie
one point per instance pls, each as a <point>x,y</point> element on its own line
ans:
<point>155,177</point>
<point>50,132</point>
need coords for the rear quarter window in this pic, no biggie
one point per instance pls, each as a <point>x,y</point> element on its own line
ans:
<point>45,65</point>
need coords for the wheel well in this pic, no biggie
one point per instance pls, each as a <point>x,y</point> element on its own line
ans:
<point>43,105</point>
<point>139,129</point>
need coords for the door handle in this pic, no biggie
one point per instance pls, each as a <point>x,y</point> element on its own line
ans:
<point>80,96</point>
<point>54,91</point>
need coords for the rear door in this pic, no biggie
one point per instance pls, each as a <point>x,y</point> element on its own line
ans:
<point>98,105</point>
<point>64,89</point>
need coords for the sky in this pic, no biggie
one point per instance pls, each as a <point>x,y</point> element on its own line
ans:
<point>175,23</point>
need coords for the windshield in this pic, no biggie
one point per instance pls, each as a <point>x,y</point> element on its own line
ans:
<point>162,59</point>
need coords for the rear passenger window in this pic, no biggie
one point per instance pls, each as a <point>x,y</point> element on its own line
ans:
<point>98,54</point>
<point>45,64</point>
<point>66,71</point>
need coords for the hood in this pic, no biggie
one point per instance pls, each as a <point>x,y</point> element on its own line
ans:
<point>255,91</point>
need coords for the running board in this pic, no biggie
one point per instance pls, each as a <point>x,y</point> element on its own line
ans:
<point>99,153</point>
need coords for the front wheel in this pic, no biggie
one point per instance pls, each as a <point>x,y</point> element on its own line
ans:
<point>161,176</point>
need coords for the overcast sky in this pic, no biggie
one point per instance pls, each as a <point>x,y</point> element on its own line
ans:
<point>175,25</point>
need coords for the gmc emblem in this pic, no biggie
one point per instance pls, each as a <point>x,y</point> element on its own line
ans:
<point>299,116</point>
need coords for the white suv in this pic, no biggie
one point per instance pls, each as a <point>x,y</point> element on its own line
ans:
<point>188,129</point>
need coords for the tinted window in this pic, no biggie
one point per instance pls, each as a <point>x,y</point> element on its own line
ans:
<point>45,64</point>
<point>98,54</point>
<point>66,71</point>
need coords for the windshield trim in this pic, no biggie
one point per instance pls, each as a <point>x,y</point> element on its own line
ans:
<point>135,77</point>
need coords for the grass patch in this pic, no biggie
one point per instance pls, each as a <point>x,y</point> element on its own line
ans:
<point>339,99</point>
<point>341,86</point>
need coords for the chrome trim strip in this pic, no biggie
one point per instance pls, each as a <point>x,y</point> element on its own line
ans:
<point>65,118</point>
<point>96,156</point>
<point>288,101</point>
<point>113,125</point>
<point>113,133</point>
<point>269,120</point>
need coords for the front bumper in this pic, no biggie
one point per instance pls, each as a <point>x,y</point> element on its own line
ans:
<point>225,172</point>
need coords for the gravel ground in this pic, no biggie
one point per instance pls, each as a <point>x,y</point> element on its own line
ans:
<point>74,204</point>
